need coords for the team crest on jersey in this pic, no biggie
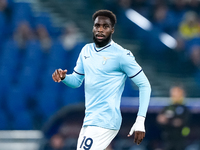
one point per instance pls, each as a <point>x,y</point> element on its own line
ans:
<point>104,60</point>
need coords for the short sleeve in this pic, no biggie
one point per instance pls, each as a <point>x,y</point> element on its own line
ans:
<point>128,64</point>
<point>79,69</point>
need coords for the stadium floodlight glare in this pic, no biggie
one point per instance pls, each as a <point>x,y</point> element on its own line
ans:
<point>145,24</point>
<point>168,40</point>
<point>138,19</point>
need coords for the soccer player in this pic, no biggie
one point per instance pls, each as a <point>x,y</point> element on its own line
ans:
<point>105,65</point>
<point>174,120</point>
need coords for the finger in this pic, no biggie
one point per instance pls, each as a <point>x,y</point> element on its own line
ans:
<point>131,131</point>
<point>62,73</point>
<point>143,134</point>
<point>54,77</point>
<point>140,137</point>
<point>136,137</point>
<point>58,75</point>
<point>129,135</point>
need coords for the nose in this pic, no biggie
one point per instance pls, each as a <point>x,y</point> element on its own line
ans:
<point>100,29</point>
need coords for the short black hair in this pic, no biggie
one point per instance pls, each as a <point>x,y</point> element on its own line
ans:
<point>106,13</point>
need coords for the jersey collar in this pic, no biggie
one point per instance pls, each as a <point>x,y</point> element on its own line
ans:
<point>102,48</point>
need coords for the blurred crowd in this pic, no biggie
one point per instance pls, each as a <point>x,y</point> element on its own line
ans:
<point>178,18</point>
<point>31,48</point>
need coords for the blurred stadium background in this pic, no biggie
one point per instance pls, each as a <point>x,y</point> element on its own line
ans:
<point>39,36</point>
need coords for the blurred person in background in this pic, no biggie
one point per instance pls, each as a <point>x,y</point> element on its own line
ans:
<point>142,7</point>
<point>62,129</point>
<point>125,4</point>
<point>159,17</point>
<point>177,8</point>
<point>195,61</point>
<point>3,5</point>
<point>190,27</point>
<point>195,56</point>
<point>71,37</point>
<point>44,38</point>
<point>105,66</point>
<point>174,120</point>
<point>23,34</point>
<point>72,41</point>
<point>3,20</point>
<point>56,143</point>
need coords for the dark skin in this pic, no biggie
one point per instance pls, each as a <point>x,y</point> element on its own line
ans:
<point>102,34</point>
<point>102,31</point>
<point>138,137</point>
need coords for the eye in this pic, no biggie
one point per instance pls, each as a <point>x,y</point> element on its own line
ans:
<point>106,26</point>
<point>96,25</point>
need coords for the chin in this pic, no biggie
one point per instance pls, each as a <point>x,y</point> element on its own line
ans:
<point>101,42</point>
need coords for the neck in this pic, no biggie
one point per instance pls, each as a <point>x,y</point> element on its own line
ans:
<point>102,43</point>
<point>99,45</point>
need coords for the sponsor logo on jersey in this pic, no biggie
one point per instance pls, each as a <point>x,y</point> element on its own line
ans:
<point>86,57</point>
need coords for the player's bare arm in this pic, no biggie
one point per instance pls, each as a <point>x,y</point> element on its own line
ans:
<point>59,75</point>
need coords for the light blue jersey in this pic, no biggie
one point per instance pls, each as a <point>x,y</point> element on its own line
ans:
<point>105,71</point>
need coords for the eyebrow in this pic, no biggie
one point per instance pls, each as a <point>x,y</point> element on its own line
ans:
<point>103,24</point>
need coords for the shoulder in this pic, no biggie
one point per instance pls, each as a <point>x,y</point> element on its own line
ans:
<point>87,47</point>
<point>117,47</point>
<point>120,50</point>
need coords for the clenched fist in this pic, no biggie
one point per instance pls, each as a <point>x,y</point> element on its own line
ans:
<point>59,75</point>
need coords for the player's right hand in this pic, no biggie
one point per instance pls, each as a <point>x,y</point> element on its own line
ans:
<point>59,75</point>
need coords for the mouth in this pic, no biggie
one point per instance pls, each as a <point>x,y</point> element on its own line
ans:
<point>100,36</point>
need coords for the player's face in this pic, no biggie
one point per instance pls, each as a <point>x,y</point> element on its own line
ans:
<point>102,31</point>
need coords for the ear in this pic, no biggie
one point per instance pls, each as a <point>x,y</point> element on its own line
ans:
<point>113,30</point>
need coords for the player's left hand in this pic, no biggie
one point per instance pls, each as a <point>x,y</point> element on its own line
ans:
<point>139,129</point>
